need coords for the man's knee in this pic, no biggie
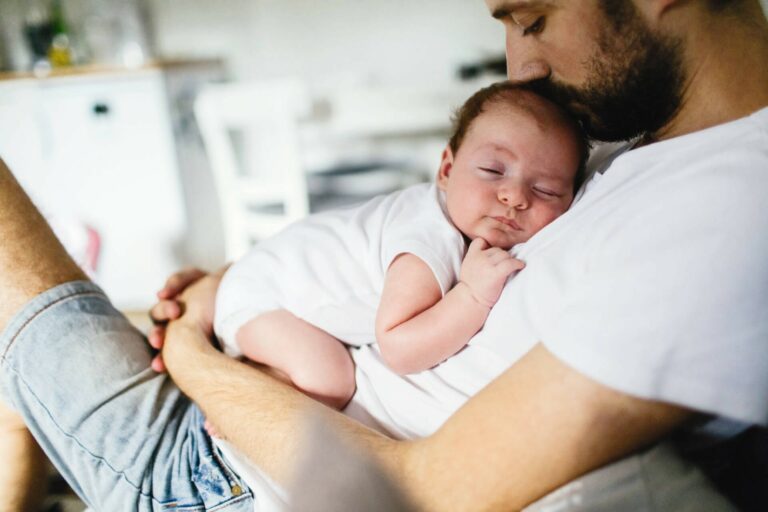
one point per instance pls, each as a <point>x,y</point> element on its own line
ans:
<point>9,419</point>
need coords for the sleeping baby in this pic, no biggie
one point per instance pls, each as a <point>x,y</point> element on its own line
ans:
<point>416,271</point>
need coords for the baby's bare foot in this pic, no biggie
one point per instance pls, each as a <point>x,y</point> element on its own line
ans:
<point>208,426</point>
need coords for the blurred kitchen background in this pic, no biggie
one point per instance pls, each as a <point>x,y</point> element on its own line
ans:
<point>157,134</point>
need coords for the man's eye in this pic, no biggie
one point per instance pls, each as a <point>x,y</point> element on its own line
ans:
<point>534,28</point>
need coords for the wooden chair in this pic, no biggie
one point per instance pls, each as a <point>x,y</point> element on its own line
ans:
<point>250,132</point>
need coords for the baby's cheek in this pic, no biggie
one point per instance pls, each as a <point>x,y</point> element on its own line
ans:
<point>546,215</point>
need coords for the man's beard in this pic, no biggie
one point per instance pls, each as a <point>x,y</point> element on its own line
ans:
<point>635,81</point>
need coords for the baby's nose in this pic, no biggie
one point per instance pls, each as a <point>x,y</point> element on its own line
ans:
<point>513,196</point>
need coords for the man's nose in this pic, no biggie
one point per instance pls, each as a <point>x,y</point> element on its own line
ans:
<point>523,64</point>
<point>513,196</point>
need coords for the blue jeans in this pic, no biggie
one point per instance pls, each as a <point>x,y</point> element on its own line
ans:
<point>123,436</point>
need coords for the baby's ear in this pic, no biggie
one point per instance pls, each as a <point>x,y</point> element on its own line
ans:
<point>446,165</point>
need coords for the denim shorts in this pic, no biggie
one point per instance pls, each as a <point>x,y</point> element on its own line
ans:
<point>123,436</point>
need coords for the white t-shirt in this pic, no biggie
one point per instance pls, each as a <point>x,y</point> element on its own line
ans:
<point>329,268</point>
<point>654,283</point>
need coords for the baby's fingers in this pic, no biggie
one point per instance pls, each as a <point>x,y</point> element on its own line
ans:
<point>477,245</point>
<point>496,255</point>
<point>510,265</point>
<point>211,429</point>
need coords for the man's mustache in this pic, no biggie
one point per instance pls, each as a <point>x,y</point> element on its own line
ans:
<point>567,97</point>
<point>561,94</point>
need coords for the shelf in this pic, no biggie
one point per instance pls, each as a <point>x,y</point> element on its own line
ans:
<point>100,69</point>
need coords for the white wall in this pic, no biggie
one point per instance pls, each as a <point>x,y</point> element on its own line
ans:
<point>372,40</point>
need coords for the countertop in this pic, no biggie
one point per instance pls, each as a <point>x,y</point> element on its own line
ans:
<point>93,69</point>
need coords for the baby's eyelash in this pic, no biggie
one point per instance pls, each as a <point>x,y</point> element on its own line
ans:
<point>546,192</point>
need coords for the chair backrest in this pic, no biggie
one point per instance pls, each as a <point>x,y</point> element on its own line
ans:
<point>261,183</point>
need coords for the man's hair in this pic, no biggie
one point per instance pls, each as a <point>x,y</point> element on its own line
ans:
<point>513,95</point>
<point>620,12</point>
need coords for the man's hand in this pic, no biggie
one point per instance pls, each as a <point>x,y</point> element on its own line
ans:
<point>191,334</point>
<point>485,271</point>
<point>170,308</point>
<point>198,302</point>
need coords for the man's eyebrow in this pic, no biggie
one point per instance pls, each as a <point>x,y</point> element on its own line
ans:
<point>507,8</point>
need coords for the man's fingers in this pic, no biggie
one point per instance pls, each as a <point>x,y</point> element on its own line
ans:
<point>175,283</point>
<point>156,337</point>
<point>157,364</point>
<point>164,311</point>
<point>179,281</point>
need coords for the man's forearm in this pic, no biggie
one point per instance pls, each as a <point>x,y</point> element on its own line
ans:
<point>536,427</point>
<point>267,422</point>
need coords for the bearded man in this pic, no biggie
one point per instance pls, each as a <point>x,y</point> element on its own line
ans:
<point>640,313</point>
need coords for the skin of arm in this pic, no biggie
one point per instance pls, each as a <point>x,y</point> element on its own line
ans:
<point>317,363</point>
<point>23,467</point>
<point>417,328</point>
<point>536,427</point>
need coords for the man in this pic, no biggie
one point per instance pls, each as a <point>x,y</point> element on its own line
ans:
<point>644,303</point>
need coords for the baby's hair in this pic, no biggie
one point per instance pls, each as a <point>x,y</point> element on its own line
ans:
<point>515,96</point>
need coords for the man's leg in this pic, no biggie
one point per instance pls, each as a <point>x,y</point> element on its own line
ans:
<point>78,373</point>
<point>23,474</point>
<point>31,257</point>
<point>35,263</point>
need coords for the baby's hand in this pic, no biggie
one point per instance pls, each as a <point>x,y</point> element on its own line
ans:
<point>485,271</point>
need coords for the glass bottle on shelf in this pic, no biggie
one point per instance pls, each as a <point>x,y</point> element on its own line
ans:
<point>60,50</point>
<point>38,31</point>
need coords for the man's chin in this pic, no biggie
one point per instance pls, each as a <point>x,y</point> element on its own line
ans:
<point>603,132</point>
<point>594,125</point>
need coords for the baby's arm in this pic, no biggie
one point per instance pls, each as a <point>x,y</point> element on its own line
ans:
<point>415,328</point>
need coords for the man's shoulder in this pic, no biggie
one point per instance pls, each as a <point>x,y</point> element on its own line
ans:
<point>743,139</point>
<point>729,155</point>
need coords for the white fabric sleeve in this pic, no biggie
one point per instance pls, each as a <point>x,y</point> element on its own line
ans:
<point>436,258</point>
<point>245,291</point>
<point>672,303</point>
<point>430,237</point>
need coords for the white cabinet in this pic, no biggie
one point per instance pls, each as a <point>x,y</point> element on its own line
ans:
<point>100,149</point>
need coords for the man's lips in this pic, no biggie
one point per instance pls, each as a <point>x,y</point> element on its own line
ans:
<point>509,222</point>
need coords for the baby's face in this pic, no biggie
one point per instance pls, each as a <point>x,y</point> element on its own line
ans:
<point>510,177</point>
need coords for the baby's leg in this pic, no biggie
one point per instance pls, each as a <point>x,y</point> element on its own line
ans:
<point>314,361</point>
